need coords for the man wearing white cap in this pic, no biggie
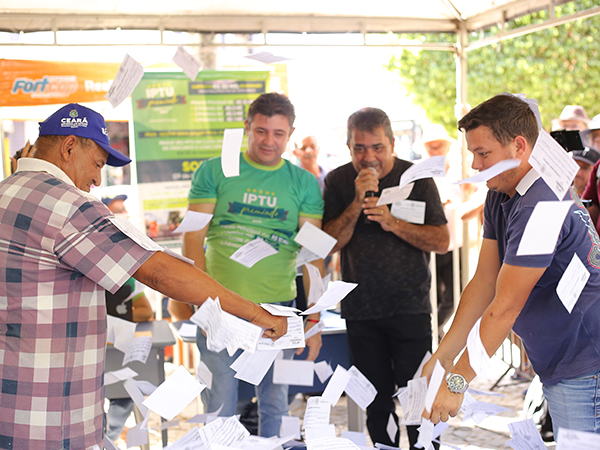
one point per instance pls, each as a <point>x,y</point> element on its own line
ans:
<point>573,117</point>
<point>60,250</point>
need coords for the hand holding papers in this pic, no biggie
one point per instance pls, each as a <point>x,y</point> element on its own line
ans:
<point>431,167</point>
<point>294,338</point>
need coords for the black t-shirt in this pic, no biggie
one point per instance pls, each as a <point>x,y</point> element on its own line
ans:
<point>393,276</point>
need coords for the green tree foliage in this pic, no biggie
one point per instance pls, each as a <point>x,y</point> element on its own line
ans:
<point>557,66</point>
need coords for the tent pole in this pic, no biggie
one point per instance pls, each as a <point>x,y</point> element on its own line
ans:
<point>460,110</point>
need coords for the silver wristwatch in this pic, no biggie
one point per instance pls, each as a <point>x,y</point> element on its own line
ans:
<point>457,383</point>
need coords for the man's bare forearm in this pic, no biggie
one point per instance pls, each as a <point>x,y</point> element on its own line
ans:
<point>342,227</point>
<point>429,238</point>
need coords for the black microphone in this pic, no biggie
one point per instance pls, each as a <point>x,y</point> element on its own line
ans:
<point>369,194</point>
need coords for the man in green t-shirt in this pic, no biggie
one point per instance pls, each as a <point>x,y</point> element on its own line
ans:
<point>271,199</point>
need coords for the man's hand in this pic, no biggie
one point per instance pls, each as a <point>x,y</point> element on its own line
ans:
<point>313,343</point>
<point>365,181</point>
<point>275,326</point>
<point>446,405</point>
<point>380,214</point>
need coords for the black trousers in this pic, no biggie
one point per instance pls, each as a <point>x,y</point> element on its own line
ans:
<point>388,352</point>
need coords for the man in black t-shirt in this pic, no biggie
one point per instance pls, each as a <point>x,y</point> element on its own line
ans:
<point>388,316</point>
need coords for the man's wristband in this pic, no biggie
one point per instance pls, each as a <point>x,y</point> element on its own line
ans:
<point>312,320</point>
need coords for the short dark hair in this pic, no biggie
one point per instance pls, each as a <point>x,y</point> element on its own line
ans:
<point>369,119</point>
<point>270,105</point>
<point>506,116</point>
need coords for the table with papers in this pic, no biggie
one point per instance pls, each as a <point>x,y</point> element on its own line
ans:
<point>154,369</point>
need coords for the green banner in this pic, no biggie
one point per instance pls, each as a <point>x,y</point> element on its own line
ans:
<point>179,123</point>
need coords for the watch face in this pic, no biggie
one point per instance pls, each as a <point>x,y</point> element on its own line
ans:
<point>457,383</point>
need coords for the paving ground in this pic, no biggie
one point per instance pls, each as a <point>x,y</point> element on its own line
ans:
<point>491,434</point>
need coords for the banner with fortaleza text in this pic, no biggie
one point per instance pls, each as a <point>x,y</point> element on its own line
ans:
<point>29,83</point>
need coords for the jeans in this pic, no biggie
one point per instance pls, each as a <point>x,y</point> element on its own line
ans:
<point>272,398</point>
<point>575,404</point>
<point>118,412</point>
<point>388,352</point>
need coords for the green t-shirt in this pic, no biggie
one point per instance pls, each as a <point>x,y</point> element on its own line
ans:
<point>265,202</point>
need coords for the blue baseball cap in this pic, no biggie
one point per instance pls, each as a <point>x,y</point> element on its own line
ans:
<point>74,119</point>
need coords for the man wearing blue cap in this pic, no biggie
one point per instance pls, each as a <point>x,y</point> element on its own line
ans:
<point>60,250</point>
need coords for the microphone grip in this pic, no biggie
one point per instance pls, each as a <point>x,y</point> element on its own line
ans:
<point>369,194</point>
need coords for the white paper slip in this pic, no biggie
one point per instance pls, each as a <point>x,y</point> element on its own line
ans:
<point>412,211</point>
<point>526,432</point>
<point>293,338</point>
<point>244,334</point>
<point>331,443</point>
<point>317,413</point>
<point>136,395</point>
<point>229,433</point>
<point>360,389</point>
<point>480,392</point>
<point>355,437</point>
<point>252,252</point>
<point>431,167</point>
<point>138,350</point>
<point>193,221</point>
<point>136,436</point>
<point>122,330</point>
<point>204,375</point>
<point>230,151</point>
<point>256,365</point>
<point>136,235</point>
<point>491,172</point>
<point>425,434</point>
<point>210,319</point>
<point>434,385</point>
<point>290,426</point>
<point>315,239</point>
<point>317,287</point>
<point>317,328</point>
<point>392,428</point>
<point>267,57</point>
<point>394,194</point>
<point>577,440</point>
<point>335,293</point>
<point>170,252</point>
<point>188,331</point>
<point>174,394</point>
<point>189,64</point>
<point>424,361</point>
<point>260,443</point>
<point>412,400</point>
<point>128,76</point>
<point>145,387</point>
<point>480,410</point>
<point>543,228</point>
<point>294,372</point>
<point>553,163</point>
<point>572,283</point>
<point>479,360</point>
<point>337,384</point>
<point>323,370</point>
<point>191,440</point>
<point>119,375</point>
<point>280,310</point>
<point>315,433</point>
<point>305,256</point>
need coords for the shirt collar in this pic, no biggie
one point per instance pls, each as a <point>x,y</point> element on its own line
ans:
<point>527,181</point>
<point>40,165</point>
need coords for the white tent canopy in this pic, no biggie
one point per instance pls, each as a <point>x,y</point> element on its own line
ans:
<point>264,16</point>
